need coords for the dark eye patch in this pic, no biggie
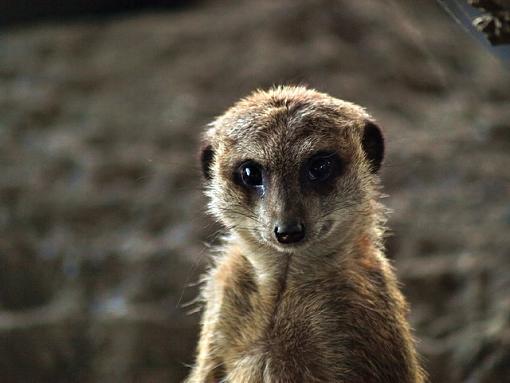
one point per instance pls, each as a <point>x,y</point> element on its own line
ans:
<point>321,167</point>
<point>250,175</point>
<point>320,171</point>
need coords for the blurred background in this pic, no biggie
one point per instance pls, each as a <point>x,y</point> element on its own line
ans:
<point>102,226</point>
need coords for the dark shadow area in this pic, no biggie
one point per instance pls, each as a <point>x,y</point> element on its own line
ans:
<point>22,12</point>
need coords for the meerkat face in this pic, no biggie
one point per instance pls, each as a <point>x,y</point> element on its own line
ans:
<point>291,168</point>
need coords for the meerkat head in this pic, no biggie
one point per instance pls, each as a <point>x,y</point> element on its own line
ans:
<point>292,169</point>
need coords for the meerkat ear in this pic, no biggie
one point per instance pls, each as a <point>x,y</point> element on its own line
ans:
<point>373,145</point>
<point>206,158</point>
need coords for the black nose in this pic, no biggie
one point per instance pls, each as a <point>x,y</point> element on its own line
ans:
<point>289,232</point>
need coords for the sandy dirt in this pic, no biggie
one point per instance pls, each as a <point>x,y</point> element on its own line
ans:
<point>102,224</point>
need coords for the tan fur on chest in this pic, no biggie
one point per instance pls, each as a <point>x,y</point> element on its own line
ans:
<point>307,328</point>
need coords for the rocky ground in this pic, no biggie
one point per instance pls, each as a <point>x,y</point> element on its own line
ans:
<point>102,223</point>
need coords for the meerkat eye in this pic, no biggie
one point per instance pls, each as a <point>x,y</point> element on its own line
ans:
<point>251,174</point>
<point>321,167</point>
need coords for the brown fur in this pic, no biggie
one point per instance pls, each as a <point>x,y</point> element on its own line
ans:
<point>324,310</point>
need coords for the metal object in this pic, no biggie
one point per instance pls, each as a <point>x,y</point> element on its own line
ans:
<point>495,22</point>
<point>488,21</point>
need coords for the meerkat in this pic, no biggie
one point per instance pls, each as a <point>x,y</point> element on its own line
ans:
<point>300,289</point>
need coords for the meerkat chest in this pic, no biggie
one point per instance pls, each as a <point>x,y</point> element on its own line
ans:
<point>325,329</point>
<point>283,335</point>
